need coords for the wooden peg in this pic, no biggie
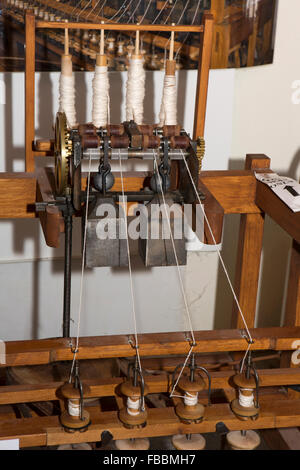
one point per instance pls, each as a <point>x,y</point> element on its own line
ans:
<point>171,63</point>
<point>101,59</point>
<point>137,54</point>
<point>66,40</point>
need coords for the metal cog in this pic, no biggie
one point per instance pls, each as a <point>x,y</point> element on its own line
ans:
<point>200,151</point>
<point>62,153</point>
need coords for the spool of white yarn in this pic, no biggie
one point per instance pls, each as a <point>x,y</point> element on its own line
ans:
<point>135,90</point>
<point>247,401</point>
<point>190,400</point>
<point>133,406</point>
<point>168,109</point>
<point>67,91</point>
<point>100,108</point>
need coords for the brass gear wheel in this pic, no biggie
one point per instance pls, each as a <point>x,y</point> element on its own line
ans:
<point>200,151</point>
<point>62,153</point>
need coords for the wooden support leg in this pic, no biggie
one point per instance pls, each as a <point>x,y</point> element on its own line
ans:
<point>249,253</point>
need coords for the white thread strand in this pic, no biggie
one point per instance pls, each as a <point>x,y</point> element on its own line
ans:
<point>135,91</point>
<point>168,110</point>
<point>247,401</point>
<point>190,400</point>
<point>82,269</point>
<point>174,250</point>
<point>244,358</point>
<point>67,98</point>
<point>180,374</point>
<point>129,269</point>
<point>218,251</point>
<point>100,96</point>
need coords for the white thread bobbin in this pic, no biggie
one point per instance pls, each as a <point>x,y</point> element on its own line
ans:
<point>135,86</point>
<point>67,86</point>
<point>100,109</point>
<point>133,406</point>
<point>74,408</point>
<point>247,401</point>
<point>168,109</point>
<point>190,400</point>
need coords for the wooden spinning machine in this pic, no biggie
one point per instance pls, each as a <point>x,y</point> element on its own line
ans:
<point>250,398</point>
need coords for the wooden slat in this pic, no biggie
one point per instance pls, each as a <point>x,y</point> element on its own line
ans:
<point>278,210</point>
<point>161,422</point>
<point>58,349</point>
<point>120,27</point>
<point>12,394</point>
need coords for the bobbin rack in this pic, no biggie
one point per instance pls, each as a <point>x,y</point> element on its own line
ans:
<point>209,388</point>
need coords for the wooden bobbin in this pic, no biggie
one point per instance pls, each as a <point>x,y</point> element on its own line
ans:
<point>133,444</point>
<point>68,421</point>
<point>191,442</point>
<point>237,441</point>
<point>170,67</point>
<point>190,413</point>
<point>134,393</point>
<point>247,386</point>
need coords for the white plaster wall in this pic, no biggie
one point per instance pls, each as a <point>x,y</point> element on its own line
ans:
<point>266,120</point>
<point>31,274</point>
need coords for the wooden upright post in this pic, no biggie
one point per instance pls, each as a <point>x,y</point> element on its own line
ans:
<point>29,89</point>
<point>249,254</point>
<point>203,74</point>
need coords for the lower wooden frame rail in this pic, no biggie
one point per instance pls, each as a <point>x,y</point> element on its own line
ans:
<point>44,431</point>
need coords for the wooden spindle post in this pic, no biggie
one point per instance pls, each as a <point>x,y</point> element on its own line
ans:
<point>203,74</point>
<point>29,89</point>
<point>249,255</point>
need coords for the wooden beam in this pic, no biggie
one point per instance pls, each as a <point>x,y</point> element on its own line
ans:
<point>59,349</point>
<point>278,210</point>
<point>12,394</point>
<point>120,27</point>
<point>29,89</point>
<point>43,431</point>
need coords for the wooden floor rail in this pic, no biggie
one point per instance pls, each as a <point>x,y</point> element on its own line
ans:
<point>45,351</point>
<point>43,431</point>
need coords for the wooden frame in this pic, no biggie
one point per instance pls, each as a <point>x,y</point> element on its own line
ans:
<point>205,31</point>
<point>227,192</point>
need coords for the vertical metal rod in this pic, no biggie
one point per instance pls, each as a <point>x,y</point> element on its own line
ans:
<point>67,268</point>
